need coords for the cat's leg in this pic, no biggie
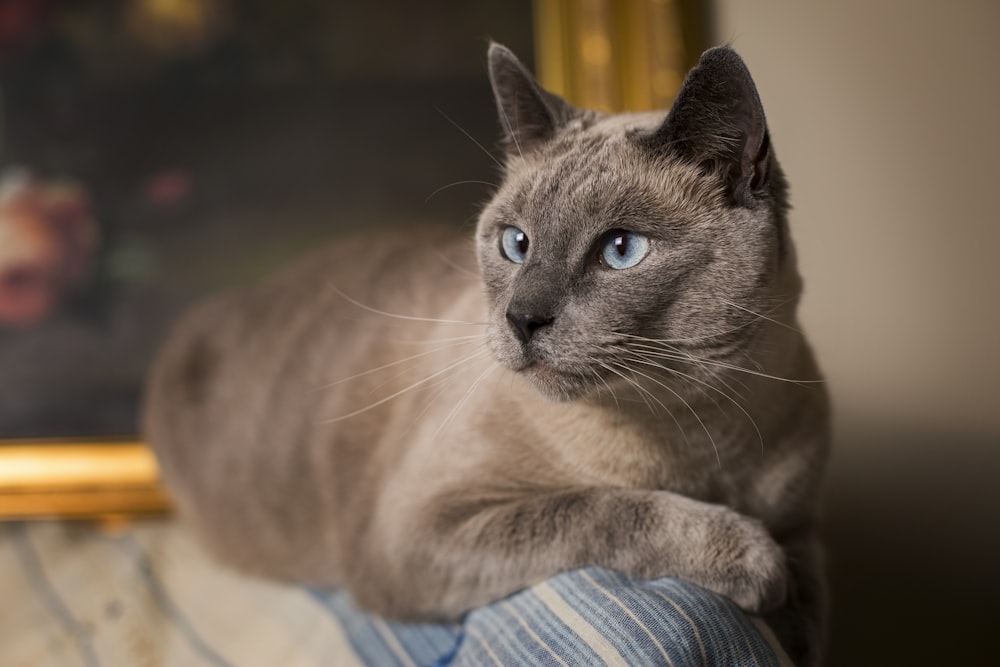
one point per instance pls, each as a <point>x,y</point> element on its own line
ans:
<point>462,550</point>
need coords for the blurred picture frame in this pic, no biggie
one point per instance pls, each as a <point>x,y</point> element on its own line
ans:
<point>63,258</point>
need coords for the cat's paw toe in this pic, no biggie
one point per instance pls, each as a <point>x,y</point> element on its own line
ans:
<point>743,562</point>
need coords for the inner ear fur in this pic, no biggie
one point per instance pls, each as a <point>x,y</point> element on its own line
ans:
<point>529,114</point>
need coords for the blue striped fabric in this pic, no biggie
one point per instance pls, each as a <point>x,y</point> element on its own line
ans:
<point>81,598</point>
<point>584,617</point>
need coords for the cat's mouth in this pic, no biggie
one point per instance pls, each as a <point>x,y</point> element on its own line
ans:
<point>555,381</point>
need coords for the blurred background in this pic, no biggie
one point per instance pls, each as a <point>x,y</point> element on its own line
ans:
<point>884,117</point>
<point>173,146</point>
<point>209,141</point>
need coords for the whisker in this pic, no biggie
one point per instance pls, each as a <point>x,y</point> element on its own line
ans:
<point>761,316</point>
<point>693,412</point>
<point>724,332</point>
<point>391,364</point>
<point>753,422</point>
<point>450,262</point>
<point>633,356</point>
<point>690,339</point>
<point>642,390</point>
<point>451,185</point>
<point>471,138</point>
<point>410,318</point>
<point>444,383</point>
<point>679,355</point>
<point>611,391</point>
<point>465,398</point>
<point>431,341</point>
<point>416,384</point>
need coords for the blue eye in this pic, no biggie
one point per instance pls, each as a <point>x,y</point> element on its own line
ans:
<point>514,244</point>
<point>624,249</point>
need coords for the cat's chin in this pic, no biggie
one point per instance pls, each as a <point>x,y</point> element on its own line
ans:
<point>556,386</point>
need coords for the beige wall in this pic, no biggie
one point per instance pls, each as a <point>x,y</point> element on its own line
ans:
<point>886,117</point>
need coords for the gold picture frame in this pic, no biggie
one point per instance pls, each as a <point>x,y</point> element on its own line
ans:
<point>611,55</point>
<point>78,479</point>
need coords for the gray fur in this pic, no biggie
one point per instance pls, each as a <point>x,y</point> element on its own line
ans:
<point>458,476</point>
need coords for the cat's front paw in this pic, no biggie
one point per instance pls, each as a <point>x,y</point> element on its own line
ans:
<point>740,560</point>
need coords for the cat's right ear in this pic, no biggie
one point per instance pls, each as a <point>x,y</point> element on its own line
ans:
<point>717,122</point>
<point>529,114</point>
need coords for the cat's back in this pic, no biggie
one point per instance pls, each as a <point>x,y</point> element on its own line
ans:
<point>309,312</point>
<point>249,370</point>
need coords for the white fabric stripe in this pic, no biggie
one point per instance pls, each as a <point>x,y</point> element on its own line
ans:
<point>392,642</point>
<point>694,626</point>
<point>482,642</point>
<point>776,646</point>
<point>628,611</point>
<point>578,624</point>
<point>513,611</point>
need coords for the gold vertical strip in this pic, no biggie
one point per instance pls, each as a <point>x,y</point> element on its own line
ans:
<point>551,56</point>
<point>664,55</point>
<point>635,66</point>
<point>611,55</point>
<point>597,84</point>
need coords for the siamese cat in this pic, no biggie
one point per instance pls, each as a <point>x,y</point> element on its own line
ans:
<point>622,383</point>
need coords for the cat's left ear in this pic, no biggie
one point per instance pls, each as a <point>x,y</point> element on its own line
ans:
<point>529,114</point>
<point>717,122</point>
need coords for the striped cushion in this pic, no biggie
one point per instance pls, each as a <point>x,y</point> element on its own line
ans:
<point>74,596</point>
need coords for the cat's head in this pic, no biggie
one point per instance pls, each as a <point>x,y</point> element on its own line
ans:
<point>610,232</point>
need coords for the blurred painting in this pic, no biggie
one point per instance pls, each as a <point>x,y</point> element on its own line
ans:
<point>154,151</point>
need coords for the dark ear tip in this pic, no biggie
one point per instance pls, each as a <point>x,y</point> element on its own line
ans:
<point>499,54</point>
<point>721,56</point>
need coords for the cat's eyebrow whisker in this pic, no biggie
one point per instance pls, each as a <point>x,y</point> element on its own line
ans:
<point>410,318</point>
<point>416,384</point>
<point>471,138</point>
<point>451,185</point>
<point>391,364</point>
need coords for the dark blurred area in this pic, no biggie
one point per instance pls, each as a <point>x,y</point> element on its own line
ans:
<point>213,140</point>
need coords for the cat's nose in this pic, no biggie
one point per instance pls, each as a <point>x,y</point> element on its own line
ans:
<point>525,326</point>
